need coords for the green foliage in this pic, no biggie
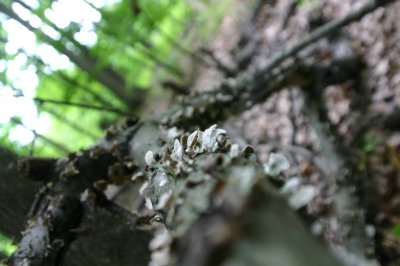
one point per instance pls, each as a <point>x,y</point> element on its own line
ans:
<point>6,245</point>
<point>140,41</point>
<point>396,231</point>
<point>303,2</point>
<point>370,143</point>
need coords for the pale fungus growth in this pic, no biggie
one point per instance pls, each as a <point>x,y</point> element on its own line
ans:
<point>143,188</point>
<point>137,175</point>
<point>291,185</point>
<point>317,228</point>
<point>194,143</point>
<point>370,230</point>
<point>189,111</point>
<point>148,203</point>
<point>209,139</point>
<point>164,190</point>
<point>161,179</point>
<point>177,153</point>
<point>302,197</point>
<point>173,133</point>
<point>234,151</point>
<point>69,170</point>
<point>298,195</point>
<point>276,164</point>
<point>149,158</point>
<point>192,140</point>
<point>161,239</point>
<point>85,195</point>
<point>224,97</point>
<point>160,257</point>
<point>163,201</point>
<point>163,182</point>
<point>111,191</point>
<point>220,140</point>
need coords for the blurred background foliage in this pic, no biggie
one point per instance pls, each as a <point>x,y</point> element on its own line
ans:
<point>6,246</point>
<point>70,68</point>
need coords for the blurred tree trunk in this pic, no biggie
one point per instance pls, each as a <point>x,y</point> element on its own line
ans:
<point>16,195</point>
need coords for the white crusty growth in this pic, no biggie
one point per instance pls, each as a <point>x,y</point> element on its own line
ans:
<point>277,163</point>
<point>192,140</point>
<point>209,139</point>
<point>149,158</point>
<point>177,153</point>
<point>234,151</point>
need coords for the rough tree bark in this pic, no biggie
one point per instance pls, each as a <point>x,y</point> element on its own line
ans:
<point>16,195</point>
<point>209,200</point>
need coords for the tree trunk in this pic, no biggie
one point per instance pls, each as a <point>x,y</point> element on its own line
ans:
<point>16,196</point>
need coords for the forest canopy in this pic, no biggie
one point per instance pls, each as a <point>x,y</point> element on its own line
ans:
<point>102,61</point>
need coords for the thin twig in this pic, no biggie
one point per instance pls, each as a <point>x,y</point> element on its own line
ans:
<point>75,126</point>
<point>174,42</point>
<point>289,12</point>
<point>81,105</point>
<point>57,145</point>
<point>321,32</point>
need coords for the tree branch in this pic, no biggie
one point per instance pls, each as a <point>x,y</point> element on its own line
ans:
<point>234,96</point>
<point>55,144</point>
<point>321,32</point>
<point>79,105</point>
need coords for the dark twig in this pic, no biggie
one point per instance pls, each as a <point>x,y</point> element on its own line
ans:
<point>289,13</point>
<point>71,124</point>
<point>55,144</point>
<point>36,168</point>
<point>293,114</point>
<point>69,81</point>
<point>229,72</point>
<point>81,105</point>
<point>174,42</point>
<point>321,32</point>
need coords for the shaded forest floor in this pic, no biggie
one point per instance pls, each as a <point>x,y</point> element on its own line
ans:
<point>356,122</point>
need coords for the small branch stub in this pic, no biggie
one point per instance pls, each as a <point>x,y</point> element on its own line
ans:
<point>35,168</point>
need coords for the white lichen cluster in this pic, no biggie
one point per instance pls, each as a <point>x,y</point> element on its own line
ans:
<point>149,158</point>
<point>297,193</point>
<point>277,163</point>
<point>213,139</point>
<point>210,140</point>
<point>168,167</point>
<point>180,158</point>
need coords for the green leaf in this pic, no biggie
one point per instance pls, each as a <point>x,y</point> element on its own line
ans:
<point>396,231</point>
<point>370,143</point>
<point>6,245</point>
